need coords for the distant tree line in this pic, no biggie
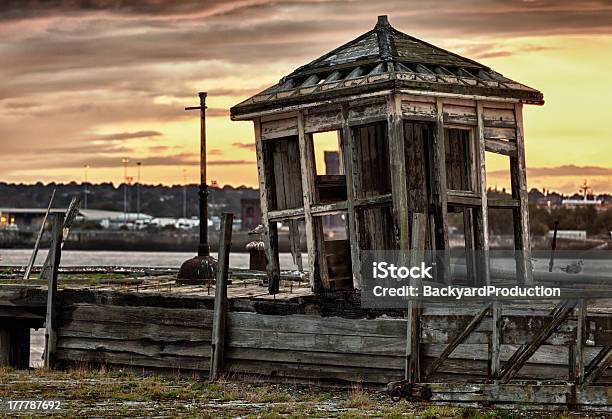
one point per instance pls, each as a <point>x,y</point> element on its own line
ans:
<point>155,200</point>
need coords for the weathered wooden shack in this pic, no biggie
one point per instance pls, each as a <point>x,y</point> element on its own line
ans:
<point>414,123</point>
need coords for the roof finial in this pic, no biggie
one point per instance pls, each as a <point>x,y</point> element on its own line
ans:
<point>382,21</point>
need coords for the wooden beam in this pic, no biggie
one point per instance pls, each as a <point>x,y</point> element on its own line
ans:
<point>520,357</point>
<point>312,226</point>
<point>286,214</point>
<point>329,208</point>
<point>481,213</point>
<point>471,326</point>
<point>518,178</point>
<point>439,193</point>
<point>55,256</point>
<point>352,180</point>
<point>501,147</point>
<point>463,200</point>
<point>270,229</point>
<point>397,153</point>
<point>219,317</point>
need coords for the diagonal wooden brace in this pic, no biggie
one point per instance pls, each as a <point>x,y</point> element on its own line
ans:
<point>520,357</point>
<point>458,339</point>
<point>599,365</point>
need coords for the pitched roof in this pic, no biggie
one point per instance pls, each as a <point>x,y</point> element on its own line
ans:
<point>381,58</point>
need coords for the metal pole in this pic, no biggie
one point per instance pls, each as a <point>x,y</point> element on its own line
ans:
<point>138,164</point>
<point>125,162</point>
<point>203,248</point>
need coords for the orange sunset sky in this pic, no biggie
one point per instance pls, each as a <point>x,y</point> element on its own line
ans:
<point>91,82</point>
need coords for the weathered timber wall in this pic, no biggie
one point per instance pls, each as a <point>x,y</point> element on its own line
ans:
<point>265,341</point>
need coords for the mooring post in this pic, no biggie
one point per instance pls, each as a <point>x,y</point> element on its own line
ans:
<point>218,335</point>
<point>55,255</point>
<point>553,247</point>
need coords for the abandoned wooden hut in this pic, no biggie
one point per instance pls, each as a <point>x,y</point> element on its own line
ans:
<point>414,125</point>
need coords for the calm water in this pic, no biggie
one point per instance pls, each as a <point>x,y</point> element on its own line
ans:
<point>20,257</point>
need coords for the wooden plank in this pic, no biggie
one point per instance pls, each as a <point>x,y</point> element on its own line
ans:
<point>285,214</point>
<point>220,313</point>
<point>270,236</point>
<point>358,115</point>
<point>460,114</point>
<point>180,363</point>
<point>51,317</point>
<point>352,183</point>
<point>503,118</point>
<point>318,358</point>
<point>127,330</point>
<point>412,108</point>
<point>496,339</point>
<point>333,325</point>
<point>351,344</point>
<point>278,128</point>
<point>464,200</point>
<point>518,178</point>
<point>329,208</point>
<point>501,134</point>
<point>503,147</point>
<point>137,315</point>
<point>323,121</point>
<point>578,373</point>
<point>503,203</point>
<point>139,347</point>
<point>457,340</point>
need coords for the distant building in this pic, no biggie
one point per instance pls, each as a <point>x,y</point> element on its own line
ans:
<point>250,211</point>
<point>332,162</point>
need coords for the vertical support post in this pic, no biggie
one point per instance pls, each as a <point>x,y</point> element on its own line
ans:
<point>417,246</point>
<point>220,313</point>
<point>397,153</point>
<point>317,266</point>
<point>351,191</point>
<point>578,363</point>
<point>496,338</point>
<point>270,235</point>
<point>294,238</point>
<point>468,230</point>
<point>481,214</point>
<point>55,255</point>
<point>440,199</point>
<point>518,178</point>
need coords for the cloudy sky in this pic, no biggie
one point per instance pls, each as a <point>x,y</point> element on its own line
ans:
<point>93,81</point>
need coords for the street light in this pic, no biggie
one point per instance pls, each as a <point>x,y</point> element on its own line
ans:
<point>125,162</point>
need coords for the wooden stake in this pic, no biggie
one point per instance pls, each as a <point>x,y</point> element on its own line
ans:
<point>219,316</point>
<point>30,265</point>
<point>55,252</point>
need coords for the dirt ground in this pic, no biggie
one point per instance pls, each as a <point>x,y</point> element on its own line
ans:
<point>88,393</point>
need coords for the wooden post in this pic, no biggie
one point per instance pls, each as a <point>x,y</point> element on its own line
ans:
<point>439,197</point>
<point>397,153</point>
<point>270,236</point>
<point>55,252</point>
<point>317,270</point>
<point>69,217</point>
<point>218,332</point>
<point>494,360</point>
<point>351,188</point>
<point>578,364</point>
<point>518,178</point>
<point>481,214</point>
<point>553,247</point>
<point>30,265</point>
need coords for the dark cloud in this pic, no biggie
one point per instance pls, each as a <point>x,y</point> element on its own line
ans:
<point>119,136</point>
<point>249,146</point>
<point>559,171</point>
